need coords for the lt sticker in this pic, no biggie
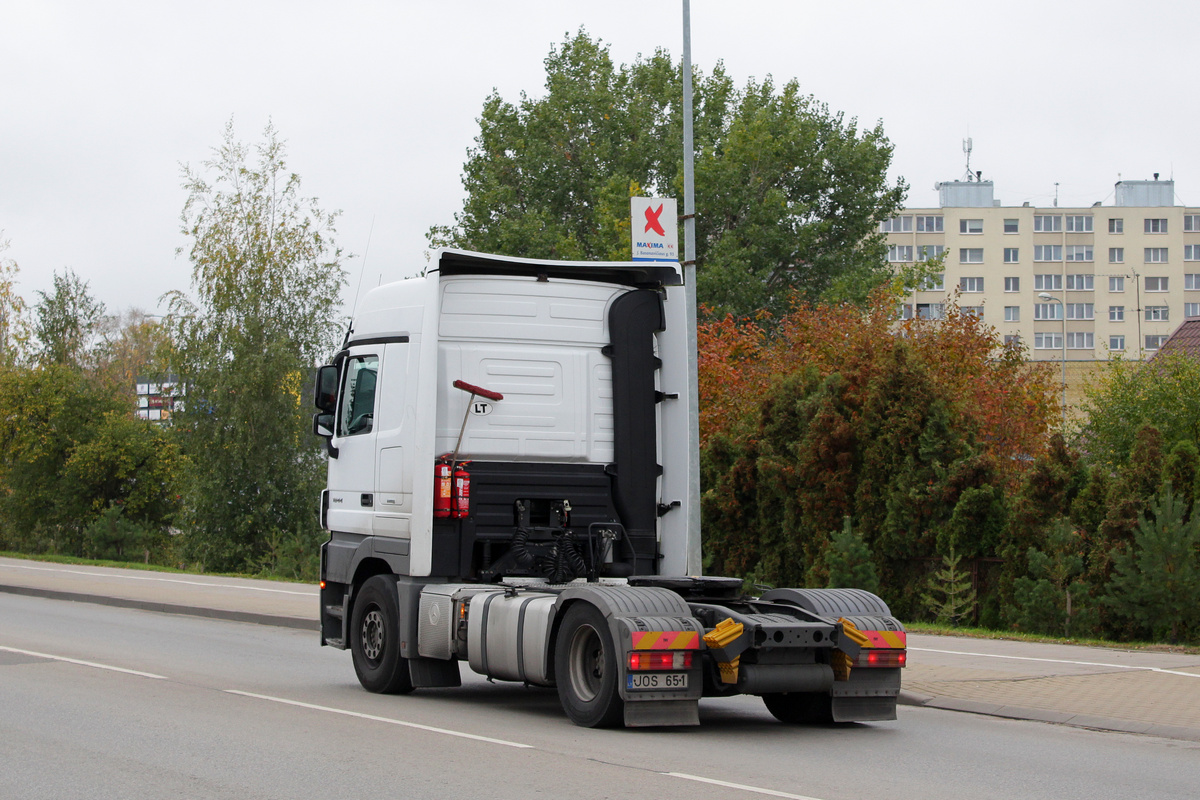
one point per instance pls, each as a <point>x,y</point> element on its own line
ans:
<point>481,408</point>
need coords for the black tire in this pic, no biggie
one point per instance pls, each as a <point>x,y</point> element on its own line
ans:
<point>798,708</point>
<point>585,669</point>
<point>375,638</point>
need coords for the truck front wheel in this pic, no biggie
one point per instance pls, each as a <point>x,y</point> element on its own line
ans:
<point>585,669</point>
<point>375,638</point>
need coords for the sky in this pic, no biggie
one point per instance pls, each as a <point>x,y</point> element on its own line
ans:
<point>102,103</point>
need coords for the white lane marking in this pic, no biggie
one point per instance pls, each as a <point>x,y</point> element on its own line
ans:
<point>743,787</point>
<point>1061,661</point>
<point>160,580</point>
<point>84,663</point>
<point>388,720</point>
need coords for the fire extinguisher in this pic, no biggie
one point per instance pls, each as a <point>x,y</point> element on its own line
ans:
<point>442,495</point>
<point>462,491</point>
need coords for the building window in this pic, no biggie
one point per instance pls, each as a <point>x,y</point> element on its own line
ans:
<point>1047,224</point>
<point>1081,340</point>
<point>1191,252</point>
<point>1156,284</point>
<point>971,284</point>
<point>1011,255</point>
<point>1079,252</point>
<point>1191,222</point>
<point>1047,341</point>
<point>900,253</point>
<point>1191,310</point>
<point>1047,252</point>
<point>1116,225</point>
<point>1157,313</point>
<point>896,225</point>
<point>933,283</point>
<point>1046,311</point>
<point>1012,340</point>
<point>1191,280</point>
<point>1012,284</point>
<point>1155,341</point>
<point>931,310</point>
<point>1012,226</point>
<point>973,311</point>
<point>1080,283</point>
<point>1116,342</point>
<point>1079,224</point>
<point>1156,255</point>
<point>1080,311</point>
<point>971,226</point>
<point>1116,313</point>
<point>929,224</point>
<point>1047,283</point>
<point>1116,283</point>
<point>906,311</point>
<point>1012,313</point>
<point>928,251</point>
<point>1156,226</point>
<point>1116,255</point>
<point>970,255</point>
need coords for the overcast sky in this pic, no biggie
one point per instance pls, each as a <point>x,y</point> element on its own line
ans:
<point>100,103</point>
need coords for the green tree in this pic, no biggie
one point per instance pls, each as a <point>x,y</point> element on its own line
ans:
<point>950,597</point>
<point>1156,583</point>
<point>1053,597</point>
<point>14,322</point>
<point>49,411</point>
<point>1164,393</point>
<point>67,323</point>
<point>789,194</point>
<point>267,276</point>
<point>847,559</point>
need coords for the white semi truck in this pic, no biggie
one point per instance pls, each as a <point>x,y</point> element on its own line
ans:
<point>508,487</point>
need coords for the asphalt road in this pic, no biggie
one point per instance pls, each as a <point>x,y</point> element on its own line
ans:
<point>211,708</point>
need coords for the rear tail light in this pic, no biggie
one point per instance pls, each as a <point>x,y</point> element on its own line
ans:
<point>881,658</point>
<point>658,660</point>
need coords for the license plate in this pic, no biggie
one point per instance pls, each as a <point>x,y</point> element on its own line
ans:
<point>657,680</point>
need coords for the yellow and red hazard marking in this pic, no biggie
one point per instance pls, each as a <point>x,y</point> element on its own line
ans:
<point>886,638</point>
<point>666,640</point>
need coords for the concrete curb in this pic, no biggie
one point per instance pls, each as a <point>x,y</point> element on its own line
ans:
<point>168,608</point>
<point>1047,715</point>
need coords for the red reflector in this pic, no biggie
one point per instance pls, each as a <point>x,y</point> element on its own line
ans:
<point>322,584</point>
<point>653,659</point>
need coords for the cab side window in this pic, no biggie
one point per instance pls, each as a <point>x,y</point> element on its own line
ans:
<point>358,396</point>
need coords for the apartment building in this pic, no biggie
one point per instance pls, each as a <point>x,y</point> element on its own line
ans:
<point>1101,279</point>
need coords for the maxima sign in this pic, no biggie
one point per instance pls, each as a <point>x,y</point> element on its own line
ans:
<point>654,229</point>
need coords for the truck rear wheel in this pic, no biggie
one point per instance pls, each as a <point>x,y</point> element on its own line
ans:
<point>375,638</point>
<point>800,707</point>
<point>585,669</point>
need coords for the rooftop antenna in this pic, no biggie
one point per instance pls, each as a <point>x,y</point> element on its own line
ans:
<point>1056,194</point>
<point>967,147</point>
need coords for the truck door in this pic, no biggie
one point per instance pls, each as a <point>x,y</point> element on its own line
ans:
<point>352,473</point>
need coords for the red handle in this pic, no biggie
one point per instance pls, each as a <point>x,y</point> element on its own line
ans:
<point>466,387</point>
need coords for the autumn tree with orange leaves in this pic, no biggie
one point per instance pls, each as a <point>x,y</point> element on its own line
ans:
<point>917,431</point>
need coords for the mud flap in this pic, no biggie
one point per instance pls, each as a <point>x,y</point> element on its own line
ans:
<point>647,713</point>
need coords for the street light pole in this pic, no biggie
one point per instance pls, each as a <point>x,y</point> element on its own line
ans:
<point>1053,299</point>
<point>693,559</point>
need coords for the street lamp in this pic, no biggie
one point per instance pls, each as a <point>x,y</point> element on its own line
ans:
<point>1053,299</point>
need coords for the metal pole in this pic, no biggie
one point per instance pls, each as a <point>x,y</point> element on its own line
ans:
<point>1064,366</point>
<point>694,565</point>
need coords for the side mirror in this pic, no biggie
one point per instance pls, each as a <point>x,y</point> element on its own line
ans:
<point>325,396</point>
<point>323,427</point>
